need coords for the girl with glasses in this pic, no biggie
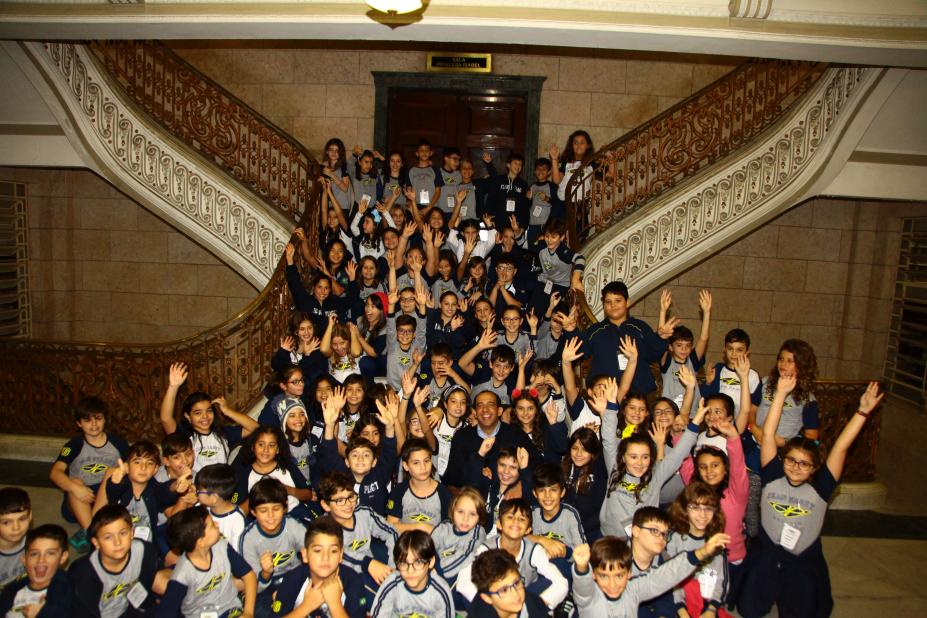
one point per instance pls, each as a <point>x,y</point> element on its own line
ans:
<point>414,589</point>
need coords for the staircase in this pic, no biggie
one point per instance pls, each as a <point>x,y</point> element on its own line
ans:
<point>653,203</point>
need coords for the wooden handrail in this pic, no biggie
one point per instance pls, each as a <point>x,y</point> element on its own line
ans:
<point>715,122</point>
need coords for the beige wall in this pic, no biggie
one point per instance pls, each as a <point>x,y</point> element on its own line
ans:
<point>823,272</point>
<point>104,269</point>
<point>316,93</point>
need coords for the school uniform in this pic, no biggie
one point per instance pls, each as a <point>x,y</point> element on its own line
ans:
<point>727,382</point>
<point>466,445</point>
<point>507,196</point>
<point>399,360</point>
<point>566,526</point>
<point>709,581</point>
<point>411,508</point>
<point>373,489</point>
<point>673,388</point>
<point>284,545</point>
<point>311,365</point>
<point>454,549</point>
<point>424,181</point>
<point>368,525</point>
<point>155,498</point>
<point>56,597</point>
<point>491,488</point>
<point>89,463</point>
<point>533,608</point>
<point>213,447</point>
<point>288,474</point>
<point>395,599</point>
<point>545,205</point>
<point>307,303</point>
<point>449,193</point>
<point>661,605</point>
<point>230,524</point>
<point>622,502</point>
<point>296,583</point>
<point>192,590</point>
<point>588,503</point>
<point>100,593</point>
<point>533,564</point>
<point>11,565</point>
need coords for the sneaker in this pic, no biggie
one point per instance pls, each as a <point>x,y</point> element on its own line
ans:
<point>79,542</point>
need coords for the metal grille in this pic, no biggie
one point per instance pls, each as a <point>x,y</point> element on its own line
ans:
<point>15,310</point>
<point>906,363</point>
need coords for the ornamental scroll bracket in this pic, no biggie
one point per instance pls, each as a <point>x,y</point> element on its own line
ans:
<point>693,221</point>
<point>140,158</point>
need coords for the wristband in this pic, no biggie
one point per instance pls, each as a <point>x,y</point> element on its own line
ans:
<point>863,414</point>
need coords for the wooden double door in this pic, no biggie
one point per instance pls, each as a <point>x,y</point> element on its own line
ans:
<point>472,122</point>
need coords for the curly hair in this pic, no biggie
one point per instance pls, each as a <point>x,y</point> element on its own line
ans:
<point>538,425</point>
<point>696,492</point>
<point>806,370</point>
<point>590,442</point>
<point>621,468</point>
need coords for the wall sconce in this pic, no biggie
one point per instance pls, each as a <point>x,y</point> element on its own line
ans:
<point>395,7</point>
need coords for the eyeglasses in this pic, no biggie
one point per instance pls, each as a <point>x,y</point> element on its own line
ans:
<point>415,565</point>
<point>205,493</point>
<point>349,499</point>
<point>505,269</point>
<point>406,331</point>
<point>508,591</point>
<point>297,382</point>
<point>511,319</point>
<point>660,534</point>
<point>664,411</point>
<point>702,508</point>
<point>804,466</point>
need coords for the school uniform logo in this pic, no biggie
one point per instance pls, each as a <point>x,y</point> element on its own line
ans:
<point>66,451</point>
<point>420,518</point>
<point>359,544</point>
<point>789,510</point>
<point>214,582</point>
<point>117,591</point>
<point>281,558</point>
<point>207,454</point>
<point>627,485</point>
<point>554,536</point>
<point>447,553</point>
<point>730,381</point>
<point>94,468</point>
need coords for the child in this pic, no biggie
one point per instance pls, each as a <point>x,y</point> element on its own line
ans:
<point>787,567</point>
<point>202,582</point>
<point>511,334</point>
<point>650,530</point>
<point>421,502</point>
<point>131,484</point>
<point>341,346</point>
<point>361,525</point>
<point>302,444</point>
<point>560,268</point>
<point>322,585</point>
<point>507,195</point>
<point>681,350</point>
<point>450,174</point>
<point>505,480</point>
<point>586,479</point>
<point>116,579</point>
<point>513,525</point>
<point>578,149</point>
<point>498,376</point>
<point>177,459</point>
<point>548,435</point>
<point>635,478</point>
<point>606,589</point>
<point>15,521</point>
<point>216,486</point>
<point>81,464</point>
<point>455,404</point>
<point>299,347</point>
<point>270,543</point>
<point>556,526</point>
<point>506,293</point>
<point>211,440</point>
<point>545,204</point>
<point>696,516</point>
<point>405,343</point>
<point>582,412</point>
<point>438,376</point>
<point>267,455</point>
<point>502,588</point>
<point>722,378</point>
<point>425,178</point>
<point>800,411</point>
<point>287,382</point>
<point>45,591</point>
<point>414,590</point>
<point>456,539</point>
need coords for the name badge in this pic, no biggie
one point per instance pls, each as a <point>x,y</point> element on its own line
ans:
<point>537,211</point>
<point>627,531</point>
<point>463,211</point>
<point>209,614</point>
<point>137,595</point>
<point>548,287</point>
<point>707,579</point>
<point>622,362</point>
<point>451,202</point>
<point>364,200</point>
<point>509,205</point>
<point>424,197</point>
<point>677,400</point>
<point>789,537</point>
<point>142,533</point>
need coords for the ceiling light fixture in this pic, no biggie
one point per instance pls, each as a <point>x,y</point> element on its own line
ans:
<point>395,7</point>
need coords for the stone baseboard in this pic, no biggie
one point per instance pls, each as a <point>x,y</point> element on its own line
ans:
<point>30,448</point>
<point>860,497</point>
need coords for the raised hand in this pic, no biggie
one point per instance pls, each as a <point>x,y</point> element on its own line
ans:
<point>581,555</point>
<point>470,244</point>
<point>118,472</point>
<point>330,411</point>
<point>571,350</point>
<point>710,374</point>
<point>785,385</point>
<point>222,404</point>
<point>742,368</point>
<point>628,346</point>
<point>611,390</point>
<point>665,331</point>
<point>311,346</point>
<point>177,375</point>
<point>487,158</point>
<point>666,299</point>
<point>550,411</point>
<point>439,239</point>
<point>457,321</point>
<point>290,252</point>
<point>713,544</point>
<point>428,235</point>
<point>516,229</point>
<point>522,457</point>
<point>524,359</point>
<point>727,429</point>
<point>486,446</point>
<point>417,356</point>
<point>704,301</point>
<point>408,382</point>
<point>462,194</point>
<point>287,343</point>
<point>409,192</point>
<point>700,413</point>
<point>487,339</point>
<point>388,410</point>
<point>351,269</point>
<point>421,396</point>
<point>657,432</point>
<point>409,230</point>
<point>532,320</point>
<point>435,415</point>
<point>337,397</point>
<point>686,377</point>
<point>870,398</point>
<point>553,152</point>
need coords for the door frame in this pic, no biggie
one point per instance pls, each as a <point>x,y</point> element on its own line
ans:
<point>528,86</point>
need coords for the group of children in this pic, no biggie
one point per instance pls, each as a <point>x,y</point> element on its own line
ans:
<point>427,449</point>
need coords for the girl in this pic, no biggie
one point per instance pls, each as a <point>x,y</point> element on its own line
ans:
<point>334,225</point>
<point>299,347</point>
<point>475,283</point>
<point>787,566</point>
<point>392,180</point>
<point>506,482</point>
<point>334,264</point>
<point>696,516</point>
<point>547,435</point>
<point>267,455</point>
<point>550,330</point>
<point>578,148</point>
<point>365,280</point>
<point>370,428</point>
<point>585,474</point>
<point>335,169</point>
<point>364,178</point>
<point>413,590</point>
<point>634,477</point>
<point>447,419</point>
<point>796,359</point>
<point>355,405</point>
<point>341,346</point>
<point>321,303</point>
<point>371,334</point>
<point>211,440</point>
<point>303,446</point>
<point>582,412</point>
<point>447,270</point>
<point>287,382</point>
<point>456,539</point>
<point>420,502</point>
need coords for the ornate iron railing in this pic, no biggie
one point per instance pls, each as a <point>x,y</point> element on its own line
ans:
<point>726,115</point>
<point>208,118</point>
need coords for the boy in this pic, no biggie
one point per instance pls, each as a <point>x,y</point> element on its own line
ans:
<point>15,521</point>
<point>415,591</point>
<point>45,591</point>
<point>498,377</point>
<point>722,378</point>
<point>650,528</point>
<point>360,525</point>
<point>513,524</point>
<point>215,489</point>
<point>505,292</point>
<point>438,374</point>
<point>451,177</point>
<point>545,204</point>
<point>322,585</point>
<point>271,542</point>
<point>606,589</point>
<point>419,502</point>
<point>426,179</point>
<point>512,334</point>
<point>81,464</point>
<point>446,325</point>
<point>502,590</point>
<point>554,525</point>
<point>117,577</point>
<point>131,483</point>
<point>507,195</point>
<point>202,582</point>
<point>560,268</point>
<point>682,348</point>
<point>177,459</point>
<point>405,344</point>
